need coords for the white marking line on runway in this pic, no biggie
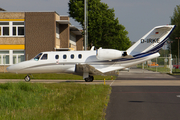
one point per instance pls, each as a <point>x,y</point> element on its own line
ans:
<point>112,82</point>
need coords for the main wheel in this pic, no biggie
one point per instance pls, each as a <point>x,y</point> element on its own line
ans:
<point>27,78</point>
<point>89,79</point>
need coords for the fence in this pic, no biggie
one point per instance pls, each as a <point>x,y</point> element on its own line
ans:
<point>160,64</point>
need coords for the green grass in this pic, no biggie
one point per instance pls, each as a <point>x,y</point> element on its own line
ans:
<point>162,70</point>
<point>158,69</point>
<point>52,76</point>
<point>176,71</point>
<point>63,101</point>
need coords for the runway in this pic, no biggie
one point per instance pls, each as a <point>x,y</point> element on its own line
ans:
<point>144,103</point>
<point>147,95</point>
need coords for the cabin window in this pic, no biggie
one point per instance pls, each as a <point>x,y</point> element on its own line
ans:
<point>37,56</point>
<point>72,56</point>
<point>79,56</point>
<point>64,56</point>
<point>57,57</point>
<point>44,57</point>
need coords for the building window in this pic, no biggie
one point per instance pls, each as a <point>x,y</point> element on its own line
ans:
<point>11,57</point>
<point>14,30</point>
<point>20,30</point>
<point>18,23</point>
<point>57,30</point>
<point>4,23</point>
<point>11,28</point>
<point>72,39</point>
<point>5,31</point>
<point>5,59</point>
<point>18,56</point>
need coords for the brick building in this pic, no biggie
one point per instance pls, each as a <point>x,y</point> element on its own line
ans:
<point>25,34</point>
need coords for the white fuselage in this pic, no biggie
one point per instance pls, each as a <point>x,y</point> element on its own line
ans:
<point>67,64</point>
<point>98,61</point>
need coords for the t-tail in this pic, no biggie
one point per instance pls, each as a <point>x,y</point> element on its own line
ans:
<point>152,42</point>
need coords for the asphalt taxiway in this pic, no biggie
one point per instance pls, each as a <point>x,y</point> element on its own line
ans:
<point>144,95</point>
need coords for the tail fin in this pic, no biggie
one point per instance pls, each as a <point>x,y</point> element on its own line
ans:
<point>152,41</point>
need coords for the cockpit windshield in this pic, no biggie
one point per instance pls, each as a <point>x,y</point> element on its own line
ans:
<point>37,56</point>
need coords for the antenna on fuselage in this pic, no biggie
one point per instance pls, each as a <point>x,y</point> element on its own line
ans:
<point>92,48</point>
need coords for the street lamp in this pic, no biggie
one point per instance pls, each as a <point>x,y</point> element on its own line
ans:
<point>178,38</point>
<point>85,25</point>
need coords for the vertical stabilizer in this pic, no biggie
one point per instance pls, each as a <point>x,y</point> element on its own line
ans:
<point>152,41</point>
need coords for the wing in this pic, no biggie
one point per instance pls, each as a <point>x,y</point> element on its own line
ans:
<point>81,68</point>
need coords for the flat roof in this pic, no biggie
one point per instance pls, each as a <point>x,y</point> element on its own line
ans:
<point>75,30</point>
<point>63,21</point>
<point>1,9</point>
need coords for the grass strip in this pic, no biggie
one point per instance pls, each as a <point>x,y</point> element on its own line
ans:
<point>162,70</point>
<point>158,69</point>
<point>176,71</point>
<point>52,76</point>
<point>63,101</point>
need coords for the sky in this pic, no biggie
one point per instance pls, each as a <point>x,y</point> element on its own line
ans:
<point>137,16</point>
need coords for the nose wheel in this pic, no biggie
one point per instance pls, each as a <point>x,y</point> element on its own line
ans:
<point>27,78</point>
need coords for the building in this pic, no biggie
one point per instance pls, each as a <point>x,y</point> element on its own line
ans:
<point>25,34</point>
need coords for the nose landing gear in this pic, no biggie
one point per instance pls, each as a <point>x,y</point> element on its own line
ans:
<point>27,78</point>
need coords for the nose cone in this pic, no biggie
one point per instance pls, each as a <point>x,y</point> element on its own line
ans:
<point>20,67</point>
<point>12,68</point>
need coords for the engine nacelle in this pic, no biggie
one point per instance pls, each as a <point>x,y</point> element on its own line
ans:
<point>108,54</point>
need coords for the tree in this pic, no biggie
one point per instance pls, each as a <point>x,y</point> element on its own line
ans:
<point>175,20</point>
<point>104,29</point>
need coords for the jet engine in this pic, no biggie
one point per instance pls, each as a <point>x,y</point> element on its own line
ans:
<point>108,54</point>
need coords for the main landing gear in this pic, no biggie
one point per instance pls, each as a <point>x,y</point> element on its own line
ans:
<point>27,78</point>
<point>89,79</point>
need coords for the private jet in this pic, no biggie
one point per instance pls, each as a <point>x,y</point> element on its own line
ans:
<point>96,62</point>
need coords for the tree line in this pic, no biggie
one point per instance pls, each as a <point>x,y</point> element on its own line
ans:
<point>104,30</point>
